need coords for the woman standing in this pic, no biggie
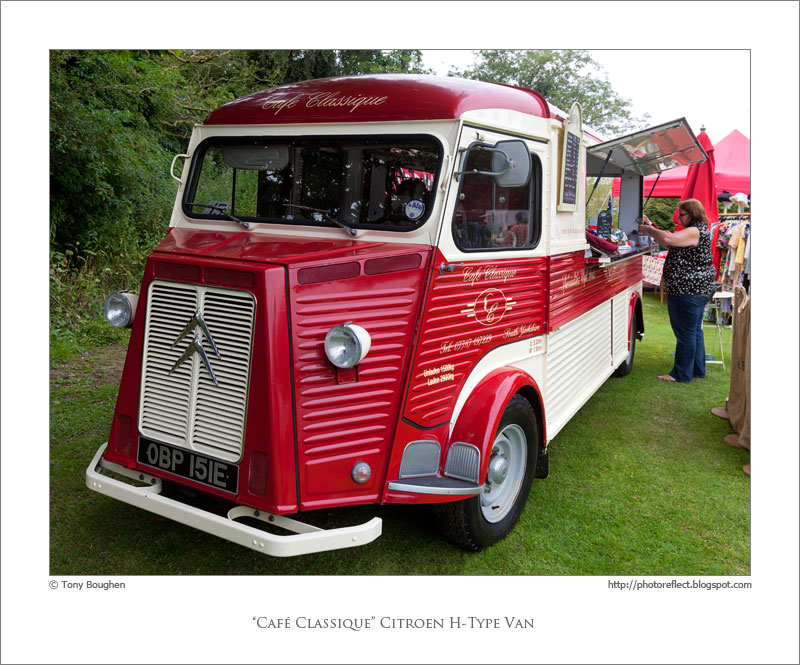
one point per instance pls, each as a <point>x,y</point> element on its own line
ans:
<point>689,282</point>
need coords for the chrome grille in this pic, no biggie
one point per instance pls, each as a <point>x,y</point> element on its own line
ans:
<point>185,408</point>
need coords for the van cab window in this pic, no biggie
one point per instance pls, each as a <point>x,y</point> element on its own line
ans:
<point>382,183</point>
<point>492,217</point>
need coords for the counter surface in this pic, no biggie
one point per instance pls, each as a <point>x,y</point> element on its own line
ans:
<point>615,258</point>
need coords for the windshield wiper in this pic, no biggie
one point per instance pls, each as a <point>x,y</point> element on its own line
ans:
<point>223,210</point>
<point>328,216</point>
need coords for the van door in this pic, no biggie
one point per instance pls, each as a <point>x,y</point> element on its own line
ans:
<point>488,285</point>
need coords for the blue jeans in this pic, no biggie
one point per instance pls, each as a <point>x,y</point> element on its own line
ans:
<point>686,318</point>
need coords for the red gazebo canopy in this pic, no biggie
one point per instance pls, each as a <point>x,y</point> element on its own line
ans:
<point>732,170</point>
<point>733,163</point>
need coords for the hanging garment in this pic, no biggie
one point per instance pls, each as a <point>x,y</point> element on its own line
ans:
<point>740,248</point>
<point>733,244</point>
<point>716,250</point>
<point>744,434</point>
<point>746,268</point>
<point>739,394</point>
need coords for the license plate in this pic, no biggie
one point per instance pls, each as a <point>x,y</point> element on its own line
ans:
<point>187,464</point>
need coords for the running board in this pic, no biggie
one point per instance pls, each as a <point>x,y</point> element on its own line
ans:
<point>435,485</point>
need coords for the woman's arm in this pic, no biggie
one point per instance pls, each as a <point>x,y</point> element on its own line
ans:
<point>688,237</point>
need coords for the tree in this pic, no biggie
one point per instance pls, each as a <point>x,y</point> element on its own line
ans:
<point>660,211</point>
<point>562,77</point>
<point>275,67</point>
<point>117,117</point>
<point>107,150</point>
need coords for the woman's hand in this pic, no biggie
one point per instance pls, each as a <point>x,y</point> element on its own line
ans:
<point>646,226</point>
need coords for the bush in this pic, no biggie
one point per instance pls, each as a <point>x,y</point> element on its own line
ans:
<point>78,289</point>
<point>660,211</point>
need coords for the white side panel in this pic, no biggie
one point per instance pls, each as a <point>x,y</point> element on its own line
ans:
<point>578,361</point>
<point>619,324</point>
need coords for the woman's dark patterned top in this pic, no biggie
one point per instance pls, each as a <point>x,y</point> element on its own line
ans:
<point>688,270</point>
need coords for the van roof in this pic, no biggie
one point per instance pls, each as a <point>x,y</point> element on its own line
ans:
<point>375,98</point>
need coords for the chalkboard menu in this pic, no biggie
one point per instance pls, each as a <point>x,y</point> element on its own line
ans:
<point>604,224</point>
<point>570,160</point>
<point>572,156</point>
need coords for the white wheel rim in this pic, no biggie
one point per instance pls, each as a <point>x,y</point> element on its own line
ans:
<point>509,455</point>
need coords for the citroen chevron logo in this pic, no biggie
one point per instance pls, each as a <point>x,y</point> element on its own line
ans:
<point>196,346</point>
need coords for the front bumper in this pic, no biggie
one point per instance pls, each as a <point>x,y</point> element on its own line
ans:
<point>305,538</point>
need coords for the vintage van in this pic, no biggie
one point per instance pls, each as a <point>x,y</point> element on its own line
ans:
<point>374,290</point>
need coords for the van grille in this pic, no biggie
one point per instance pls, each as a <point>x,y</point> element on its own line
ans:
<point>185,408</point>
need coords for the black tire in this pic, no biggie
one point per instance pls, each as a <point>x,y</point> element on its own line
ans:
<point>483,520</point>
<point>625,368</point>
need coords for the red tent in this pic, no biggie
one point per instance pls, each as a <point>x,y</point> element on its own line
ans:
<point>732,170</point>
<point>733,163</point>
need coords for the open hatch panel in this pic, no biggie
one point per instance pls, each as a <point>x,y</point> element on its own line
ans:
<point>634,156</point>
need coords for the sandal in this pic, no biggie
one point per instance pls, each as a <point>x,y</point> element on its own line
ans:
<point>667,377</point>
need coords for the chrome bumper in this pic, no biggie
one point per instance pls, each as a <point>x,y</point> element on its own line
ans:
<point>305,538</point>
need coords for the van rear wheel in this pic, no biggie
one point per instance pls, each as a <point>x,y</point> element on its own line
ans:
<point>483,520</point>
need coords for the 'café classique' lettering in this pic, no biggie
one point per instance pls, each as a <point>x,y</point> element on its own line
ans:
<point>322,99</point>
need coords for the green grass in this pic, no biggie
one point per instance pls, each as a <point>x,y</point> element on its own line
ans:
<point>641,483</point>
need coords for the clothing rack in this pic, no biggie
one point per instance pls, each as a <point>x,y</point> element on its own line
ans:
<point>730,247</point>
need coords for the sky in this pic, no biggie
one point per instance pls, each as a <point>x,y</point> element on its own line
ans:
<point>721,107</point>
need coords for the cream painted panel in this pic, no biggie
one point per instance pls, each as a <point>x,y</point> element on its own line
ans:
<point>578,361</point>
<point>620,326</point>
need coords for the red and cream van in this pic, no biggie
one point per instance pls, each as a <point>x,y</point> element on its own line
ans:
<point>374,289</point>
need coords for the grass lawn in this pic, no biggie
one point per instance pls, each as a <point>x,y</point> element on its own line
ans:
<point>641,483</point>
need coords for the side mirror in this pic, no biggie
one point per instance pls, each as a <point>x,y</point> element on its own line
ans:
<point>515,168</point>
<point>511,163</point>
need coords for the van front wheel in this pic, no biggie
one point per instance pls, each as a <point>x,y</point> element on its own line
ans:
<point>485,519</point>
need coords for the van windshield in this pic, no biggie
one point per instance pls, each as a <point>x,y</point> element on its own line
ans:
<point>382,183</point>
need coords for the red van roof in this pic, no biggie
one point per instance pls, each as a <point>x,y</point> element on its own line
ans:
<point>375,98</point>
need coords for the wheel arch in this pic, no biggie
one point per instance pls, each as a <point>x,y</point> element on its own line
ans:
<point>480,417</point>
<point>531,393</point>
<point>636,316</point>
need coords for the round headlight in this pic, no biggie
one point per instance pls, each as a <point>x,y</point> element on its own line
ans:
<point>120,308</point>
<point>347,345</point>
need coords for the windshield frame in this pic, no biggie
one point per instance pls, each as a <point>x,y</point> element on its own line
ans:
<point>198,156</point>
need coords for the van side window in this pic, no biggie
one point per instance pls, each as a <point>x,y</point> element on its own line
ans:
<point>492,217</point>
